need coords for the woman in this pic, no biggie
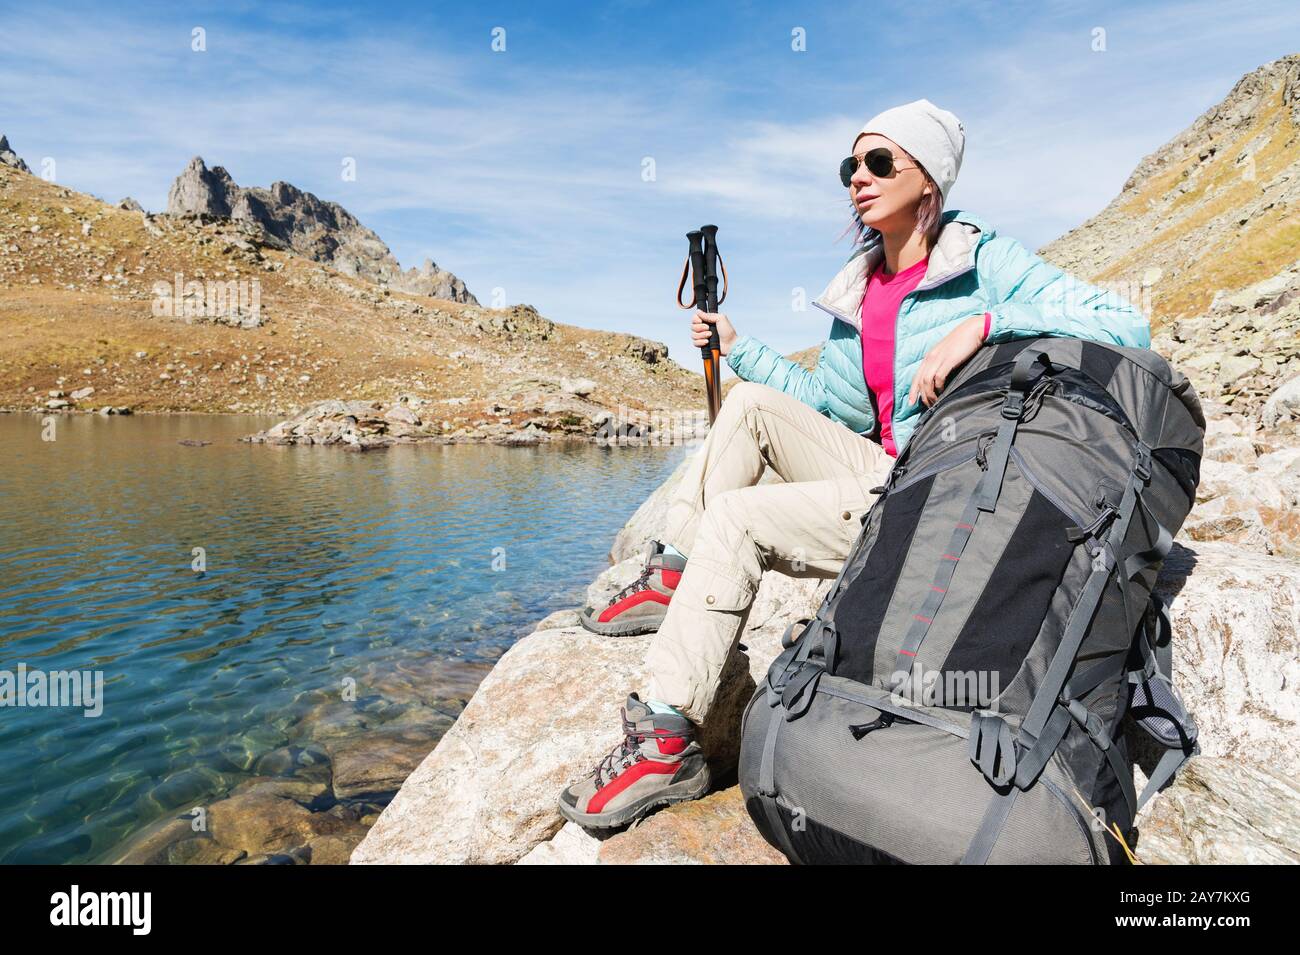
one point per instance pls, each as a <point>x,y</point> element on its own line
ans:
<point>923,292</point>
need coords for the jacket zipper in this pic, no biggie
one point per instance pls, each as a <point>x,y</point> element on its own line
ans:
<point>893,358</point>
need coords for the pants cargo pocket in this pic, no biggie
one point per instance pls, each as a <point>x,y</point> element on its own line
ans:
<point>688,654</point>
<point>853,502</point>
<point>710,588</point>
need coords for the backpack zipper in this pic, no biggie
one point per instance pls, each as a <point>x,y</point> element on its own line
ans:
<point>898,712</point>
<point>942,464</point>
<point>880,722</point>
<point>1036,480</point>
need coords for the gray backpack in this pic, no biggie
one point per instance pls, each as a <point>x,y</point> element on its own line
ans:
<point>959,695</point>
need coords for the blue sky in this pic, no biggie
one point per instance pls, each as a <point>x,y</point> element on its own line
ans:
<point>522,170</point>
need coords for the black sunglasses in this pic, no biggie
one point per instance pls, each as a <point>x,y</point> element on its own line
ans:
<point>880,163</point>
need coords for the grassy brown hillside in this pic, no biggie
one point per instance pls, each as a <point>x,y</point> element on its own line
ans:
<point>1213,210</point>
<point>1210,225</point>
<point>77,310</point>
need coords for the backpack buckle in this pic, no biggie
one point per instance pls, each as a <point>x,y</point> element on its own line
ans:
<point>992,749</point>
<point>1014,405</point>
<point>800,689</point>
<point>1091,723</point>
<point>1142,467</point>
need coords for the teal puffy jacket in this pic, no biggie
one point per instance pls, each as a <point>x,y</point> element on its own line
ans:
<point>972,270</point>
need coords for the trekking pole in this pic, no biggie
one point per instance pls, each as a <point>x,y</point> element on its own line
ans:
<point>702,263</point>
<point>711,303</point>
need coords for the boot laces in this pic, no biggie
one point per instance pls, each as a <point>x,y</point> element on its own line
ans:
<point>626,753</point>
<point>641,583</point>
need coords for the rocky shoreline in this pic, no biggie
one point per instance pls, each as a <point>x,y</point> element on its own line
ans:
<point>363,425</point>
<point>548,413</point>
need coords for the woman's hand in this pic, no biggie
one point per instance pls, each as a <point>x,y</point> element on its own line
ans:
<point>953,352</point>
<point>701,321</point>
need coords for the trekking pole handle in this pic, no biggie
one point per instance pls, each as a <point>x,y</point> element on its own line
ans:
<point>711,281</point>
<point>697,261</point>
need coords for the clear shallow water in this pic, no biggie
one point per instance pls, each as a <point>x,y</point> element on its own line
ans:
<point>322,566</point>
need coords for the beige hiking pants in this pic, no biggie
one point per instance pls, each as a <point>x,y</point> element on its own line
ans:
<point>732,530</point>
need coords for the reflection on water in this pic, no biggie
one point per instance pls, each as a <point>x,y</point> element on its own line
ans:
<point>394,576</point>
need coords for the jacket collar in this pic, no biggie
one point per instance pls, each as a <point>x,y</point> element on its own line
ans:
<point>953,255</point>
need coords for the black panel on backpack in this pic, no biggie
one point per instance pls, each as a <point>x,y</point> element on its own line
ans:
<point>1081,388</point>
<point>1009,613</point>
<point>861,610</point>
<point>1099,362</point>
<point>1184,465</point>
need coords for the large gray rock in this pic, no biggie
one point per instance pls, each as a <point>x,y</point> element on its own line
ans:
<point>1223,811</point>
<point>572,845</point>
<point>1236,624</point>
<point>1283,404</point>
<point>290,218</point>
<point>1249,492</point>
<point>715,830</point>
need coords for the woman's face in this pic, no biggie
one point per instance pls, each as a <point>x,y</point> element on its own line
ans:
<point>887,204</point>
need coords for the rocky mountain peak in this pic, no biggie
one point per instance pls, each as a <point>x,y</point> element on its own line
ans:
<point>430,280</point>
<point>10,158</point>
<point>199,190</point>
<point>301,222</point>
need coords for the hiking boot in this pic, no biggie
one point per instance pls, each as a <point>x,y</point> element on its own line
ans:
<point>657,763</point>
<point>639,607</point>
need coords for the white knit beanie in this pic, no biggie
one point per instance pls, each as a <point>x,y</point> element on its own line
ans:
<point>934,137</point>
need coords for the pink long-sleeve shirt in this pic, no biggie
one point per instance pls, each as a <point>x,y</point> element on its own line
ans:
<point>879,316</point>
